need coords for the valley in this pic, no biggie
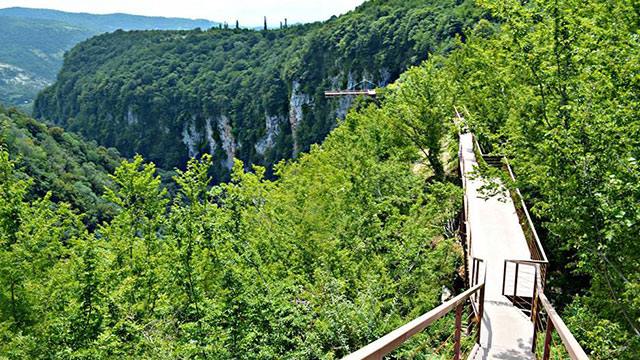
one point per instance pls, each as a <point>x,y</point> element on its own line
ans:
<point>192,193</point>
<point>35,40</point>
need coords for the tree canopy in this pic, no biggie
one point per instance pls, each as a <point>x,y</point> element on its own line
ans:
<point>255,95</point>
<point>351,240</point>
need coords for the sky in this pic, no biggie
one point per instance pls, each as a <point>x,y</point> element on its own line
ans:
<point>248,12</point>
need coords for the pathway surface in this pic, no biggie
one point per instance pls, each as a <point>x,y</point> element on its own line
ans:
<point>497,235</point>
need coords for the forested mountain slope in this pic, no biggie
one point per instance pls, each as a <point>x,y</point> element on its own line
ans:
<point>352,240</point>
<point>108,22</point>
<point>257,96</point>
<point>62,164</point>
<point>33,43</point>
<point>31,53</point>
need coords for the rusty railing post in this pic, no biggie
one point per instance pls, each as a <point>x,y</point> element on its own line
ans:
<point>504,276</point>
<point>547,339</point>
<point>515,284</point>
<point>456,351</point>
<point>480,312</point>
<point>477,271</point>
<point>473,272</point>
<point>535,290</point>
<point>534,318</point>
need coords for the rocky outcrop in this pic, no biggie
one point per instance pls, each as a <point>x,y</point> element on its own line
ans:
<point>385,77</point>
<point>297,101</point>
<point>191,138</point>
<point>227,140</point>
<point>344,104</point>
<point>208,129</point>
<point>131,117</point>
<point>272,126</point>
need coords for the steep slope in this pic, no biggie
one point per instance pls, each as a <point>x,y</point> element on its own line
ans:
<point>31,54</point>
<point>74,171</point>
<point>349,242</point>
<point>33,43</point>
<point>257,96</point>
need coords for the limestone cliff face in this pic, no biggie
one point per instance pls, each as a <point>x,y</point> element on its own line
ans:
<point>194,138</point>
<point>131,117</point>
<point>273,126</point>
<point>191,138</point>
<point>226,137</point>
<point>209,133</point>
<point>296,114</point>
<point>215,134</point>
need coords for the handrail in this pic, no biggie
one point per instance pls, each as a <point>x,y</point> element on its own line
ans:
<point>536,248</point>
<point>393,340</point>
<point>335,93</point>
<point>465,199</point>
<point>525,261</point>
<point>570,343</point>
<point>528,216</point>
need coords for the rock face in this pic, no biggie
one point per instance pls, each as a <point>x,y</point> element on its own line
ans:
<point>226,137</point>
<point>296,113</point>
<point>344,104</point>
<point>272,126</point>
<point>209,133</point>
<point>196,140</point>
<point>131,117</point>
<point>191,137</point>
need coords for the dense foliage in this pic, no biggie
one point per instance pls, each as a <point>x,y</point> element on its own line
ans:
<point>555,87</point>
<point>349,242</point>
<point>72,170</point>
<point>257,96</point>
<point>33,42</point>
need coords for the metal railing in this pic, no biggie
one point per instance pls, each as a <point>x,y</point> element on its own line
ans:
<point>465,229</point>
<point>540,310</point>
<point>542,314</point>
<point>531,235</point>
<point>393,340</point>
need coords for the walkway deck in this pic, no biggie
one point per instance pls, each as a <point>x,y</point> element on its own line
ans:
<point>497,235</point>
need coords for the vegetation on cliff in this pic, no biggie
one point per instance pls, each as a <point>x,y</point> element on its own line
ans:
<point>256,96</point>
<point>62,164</point>
<point>352,240</point>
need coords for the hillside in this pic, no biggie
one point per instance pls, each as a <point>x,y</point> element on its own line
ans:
<point>33,43</point>
<point>31,54</point>
<point>257,96</point>
<point>351,241</point>
<point>59,163</point>
<point>108,22</point>
<point>351,238</point>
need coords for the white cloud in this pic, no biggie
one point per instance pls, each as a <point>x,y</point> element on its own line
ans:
<point>248,12</point>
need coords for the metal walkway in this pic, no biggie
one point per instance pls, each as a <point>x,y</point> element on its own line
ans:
<point>506,332</point>
<point>506,272</point>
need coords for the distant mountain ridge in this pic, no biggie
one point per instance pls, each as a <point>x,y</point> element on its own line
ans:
<point>33,43</point>
<point>109,22</point>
